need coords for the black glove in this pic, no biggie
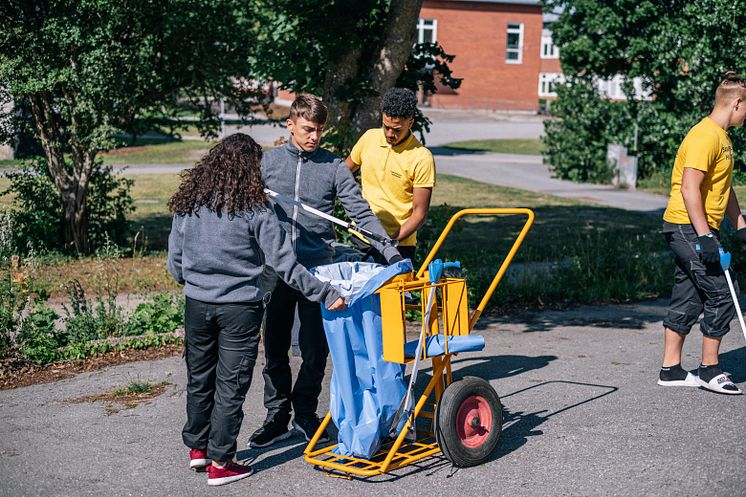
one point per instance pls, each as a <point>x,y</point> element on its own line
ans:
<point>394,259</point>
<point>709,249</point>
<point>390,254</point>
<point>741,237</point>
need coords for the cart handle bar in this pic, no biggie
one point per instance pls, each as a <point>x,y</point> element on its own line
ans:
<point>506,262</point>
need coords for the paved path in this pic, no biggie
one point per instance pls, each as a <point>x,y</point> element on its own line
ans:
<point>583,417</point>
<point>518,171</point>
<point>528,172</point>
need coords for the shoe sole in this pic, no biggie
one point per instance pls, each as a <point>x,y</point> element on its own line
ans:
<point>305,435</point>
<point>285,435</point>
<point>708,387</point>
<point>690,381</point>
<point>198,464</point>
<point>216,482</point>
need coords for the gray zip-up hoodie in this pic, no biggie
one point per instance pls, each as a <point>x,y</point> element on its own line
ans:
<point>221,259</point>
<point>316,179</point>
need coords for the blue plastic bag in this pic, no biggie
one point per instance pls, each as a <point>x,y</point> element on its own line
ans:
<point>365,390</point>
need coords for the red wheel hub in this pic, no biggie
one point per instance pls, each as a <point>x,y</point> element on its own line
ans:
<point>474,421</point>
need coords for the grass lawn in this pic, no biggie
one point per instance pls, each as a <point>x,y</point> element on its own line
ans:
<point>506,146</point>
<point>176,152</point>
<point>595,253</point>
<point>10,164</point>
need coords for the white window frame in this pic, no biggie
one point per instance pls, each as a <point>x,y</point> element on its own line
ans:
<point>546,79</point>
<point>519,50</point>
<point>548,49</point>
<point>422,26</point>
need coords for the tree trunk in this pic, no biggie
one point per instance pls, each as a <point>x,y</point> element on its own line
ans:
<point>401,30</point>
<point>71,183</point>
<point>382,66</point>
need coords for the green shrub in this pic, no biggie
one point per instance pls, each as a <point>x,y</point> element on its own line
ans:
<point>38,340</point>
<point>87,320</point>
<point>163,314</point>
<point>38,209</point>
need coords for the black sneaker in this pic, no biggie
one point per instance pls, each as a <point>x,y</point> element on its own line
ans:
<point>271,431</point>
<point>308,426</point>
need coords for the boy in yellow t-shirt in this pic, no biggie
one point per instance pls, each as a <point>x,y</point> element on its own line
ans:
<point>701,196</point>
<point>397,172</point>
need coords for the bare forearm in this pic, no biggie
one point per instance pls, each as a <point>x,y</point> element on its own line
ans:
<point>411,225</point>
<point>696,210</point>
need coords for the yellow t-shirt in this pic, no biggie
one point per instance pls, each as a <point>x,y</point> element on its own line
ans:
<point>706,148</point>
<point>389,175</point>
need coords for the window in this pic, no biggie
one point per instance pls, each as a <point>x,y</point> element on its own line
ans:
<point>548,49</point>
<point>612,88</point>
<point>514,44</point>
<point>547,82</point>
<point>427,31</point>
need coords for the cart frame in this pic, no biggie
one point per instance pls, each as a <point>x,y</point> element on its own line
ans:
<point>454,320</point>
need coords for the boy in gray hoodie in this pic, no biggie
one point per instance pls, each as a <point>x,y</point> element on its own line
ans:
<point>316,177</point>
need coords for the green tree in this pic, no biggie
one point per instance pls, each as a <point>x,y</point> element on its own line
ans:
<point>91,68</point>
<point>350,53</point>
<point>680,50</point>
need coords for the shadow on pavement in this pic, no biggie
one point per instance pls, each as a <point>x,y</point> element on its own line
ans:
<point>499,366</point>
<point>449,151</point>
<point>734,362</point>
<point>630,317</point>
<point>523,425</point>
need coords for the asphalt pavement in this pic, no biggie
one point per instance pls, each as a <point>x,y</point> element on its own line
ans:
<point>583,417</point>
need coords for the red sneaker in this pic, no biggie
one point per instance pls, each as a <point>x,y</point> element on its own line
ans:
<point>227,474</point>
<point>198,459</point>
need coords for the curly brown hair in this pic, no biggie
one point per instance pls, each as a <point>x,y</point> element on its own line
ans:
<point>228,178</point>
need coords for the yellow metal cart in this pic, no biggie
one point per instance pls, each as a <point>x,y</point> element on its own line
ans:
<point>465,416</point>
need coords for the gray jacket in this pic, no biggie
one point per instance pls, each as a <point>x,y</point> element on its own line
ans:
<point>316,179</point>
<point>221,259</point>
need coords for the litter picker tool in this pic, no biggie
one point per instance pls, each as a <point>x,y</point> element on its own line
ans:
<point>725,264</point>
<point>352,227</point>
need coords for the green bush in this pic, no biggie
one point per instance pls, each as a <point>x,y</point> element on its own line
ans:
<point>87,319</point>
<point>38,340</point>
<point>38,218</point>
<point>583,125</point>
<point>163,314</point>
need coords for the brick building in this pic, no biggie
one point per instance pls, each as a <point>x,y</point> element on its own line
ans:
<point>502,51</point>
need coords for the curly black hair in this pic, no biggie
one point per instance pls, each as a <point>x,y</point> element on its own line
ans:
<point>228,178</point>
<point>399,102</point>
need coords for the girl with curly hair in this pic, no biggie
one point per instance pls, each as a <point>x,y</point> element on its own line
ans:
<point>224,238</point>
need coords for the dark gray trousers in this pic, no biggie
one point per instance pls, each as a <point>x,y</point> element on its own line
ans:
<point>221,342</point>
<point>696,287</point>
<point>279,399</point>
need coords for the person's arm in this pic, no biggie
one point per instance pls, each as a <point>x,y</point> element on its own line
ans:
<point>175,249</point>
<point>733,210</point>
<point>279,255</point>
<point>420,206</point>
<point>691,182</point>
<point>351,164</point>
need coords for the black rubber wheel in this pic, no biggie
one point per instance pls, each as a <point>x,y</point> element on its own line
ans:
<point>468,421</point>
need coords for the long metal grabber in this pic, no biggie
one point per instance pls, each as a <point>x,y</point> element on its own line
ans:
<point>506,262</point>
<point>353,227</point>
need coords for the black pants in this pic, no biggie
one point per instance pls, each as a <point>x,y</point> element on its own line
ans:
<point>697,287</point>
<point>221,345</point>
<point>279,399</point>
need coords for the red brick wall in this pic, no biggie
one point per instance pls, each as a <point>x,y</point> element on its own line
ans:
<point>475,32</point>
